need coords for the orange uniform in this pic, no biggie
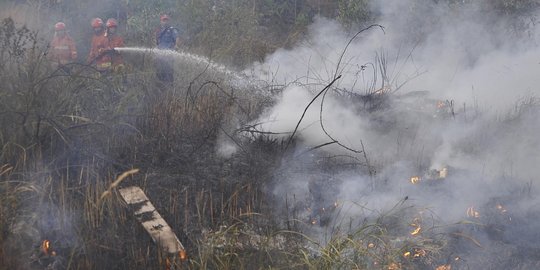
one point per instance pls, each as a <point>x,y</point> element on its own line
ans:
<point>62,49</point>
<point>116,41</point>
<point>99,55</point>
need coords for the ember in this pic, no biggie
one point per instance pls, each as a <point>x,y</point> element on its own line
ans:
<point>431,176</point>
<point>501,208</point>
<point>444,267</point>
<point>416,224</point>
<point>471,212</point>
<point>394,266</point>
<point>443,173</point>
<point>419,253</point>
<point>416,231</point>
<point>182,254</point>
<point>46,248</point>
<point>440,104</point>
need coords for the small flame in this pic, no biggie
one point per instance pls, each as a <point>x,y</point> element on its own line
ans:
<point>471,212</point>
<point>501,208</point>
<point>182,254</point>
<point>415,179</point>
<point>443,173</point>
<point>440,104</point>
<point>416,231</point>
<point>394,266</point>
<point>419,253</point>
<point>313,222</point>
<point>371,245</point>
<point>46,248</point>
<point>444,267</point>
<point>407,254</point>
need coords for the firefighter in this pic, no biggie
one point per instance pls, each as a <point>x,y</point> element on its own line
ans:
<point>115,41</point>
<point>99,56</point>
<point>167,38</point>
<point>62,48</point>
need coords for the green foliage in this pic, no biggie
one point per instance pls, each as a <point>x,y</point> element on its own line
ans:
<point>228,31</point>
<point>353,12</point>
<point>143,19</point>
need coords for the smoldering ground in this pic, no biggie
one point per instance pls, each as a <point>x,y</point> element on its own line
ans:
<point>427,53</point>
<point>480,69</point>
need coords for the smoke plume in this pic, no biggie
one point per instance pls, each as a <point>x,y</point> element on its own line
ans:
<point>475,63</point>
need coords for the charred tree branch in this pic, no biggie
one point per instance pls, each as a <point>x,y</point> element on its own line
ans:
<point>307,107</point>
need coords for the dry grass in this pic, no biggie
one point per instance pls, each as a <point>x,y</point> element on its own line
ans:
<point>66,140</point>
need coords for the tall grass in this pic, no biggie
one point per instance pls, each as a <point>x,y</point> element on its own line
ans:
<point>66,137</point>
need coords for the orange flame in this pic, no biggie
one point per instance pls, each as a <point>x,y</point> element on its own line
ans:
<point>46,248</point>
<point>415,179</point>
<point>407,254</point>
<point>182,254</point>
<point>444,267</point>
<point>471,212</point>
<point>416,224</point>
<point>416,231</point>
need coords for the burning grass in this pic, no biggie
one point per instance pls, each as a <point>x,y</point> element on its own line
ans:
<point>69,141</point>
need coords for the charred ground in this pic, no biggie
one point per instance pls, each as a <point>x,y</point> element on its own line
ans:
<point>272,201</point>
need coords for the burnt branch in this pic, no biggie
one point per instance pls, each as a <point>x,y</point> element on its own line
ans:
<point>307,107</point>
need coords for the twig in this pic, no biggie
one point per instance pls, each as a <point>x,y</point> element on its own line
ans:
<point>117,182</point>
<point>468,237</point>
<point>337,77</point>
<point>307,107</point>
<point>326,132</point>
<point>349,43</point>
<point>316,147</point>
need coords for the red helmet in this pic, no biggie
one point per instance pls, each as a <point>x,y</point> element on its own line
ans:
<point>164,17</point>
<point>59,26</point>
<point>111,23</point>
<point>97,22</point>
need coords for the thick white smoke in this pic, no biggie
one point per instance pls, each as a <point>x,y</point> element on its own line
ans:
<point>487,70</point>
